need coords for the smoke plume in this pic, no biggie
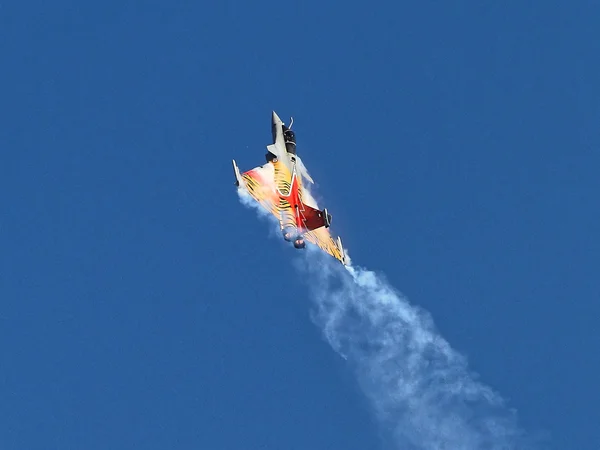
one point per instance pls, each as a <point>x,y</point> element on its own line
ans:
<point>419,388</point>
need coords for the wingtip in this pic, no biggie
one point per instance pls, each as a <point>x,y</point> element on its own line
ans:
<point>344,260</point>
<point>236,172</point>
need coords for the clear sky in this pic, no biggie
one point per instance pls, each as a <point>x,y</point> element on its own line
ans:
<point>456,145</point>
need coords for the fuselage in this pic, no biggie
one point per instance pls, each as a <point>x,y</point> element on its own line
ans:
<point>287,181</point>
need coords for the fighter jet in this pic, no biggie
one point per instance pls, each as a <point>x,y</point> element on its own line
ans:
<point>278,187</point>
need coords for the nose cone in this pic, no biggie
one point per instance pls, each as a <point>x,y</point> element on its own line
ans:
<point>275,119</point>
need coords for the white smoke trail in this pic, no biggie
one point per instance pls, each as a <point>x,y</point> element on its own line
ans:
<point>247,200</point>
<point>420,389</point>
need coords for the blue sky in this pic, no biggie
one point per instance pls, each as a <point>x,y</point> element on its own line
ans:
<point>455,143</point>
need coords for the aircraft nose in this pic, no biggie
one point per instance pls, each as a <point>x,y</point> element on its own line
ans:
<point>275,118</point>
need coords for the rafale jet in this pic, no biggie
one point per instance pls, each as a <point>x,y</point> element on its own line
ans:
<point>277,187</point>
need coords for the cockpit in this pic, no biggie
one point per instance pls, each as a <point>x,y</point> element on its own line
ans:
<point>290,141</point>
<point>289,136</point>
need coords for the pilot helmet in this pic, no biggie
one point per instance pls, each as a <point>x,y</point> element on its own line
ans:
<point>290,136</point>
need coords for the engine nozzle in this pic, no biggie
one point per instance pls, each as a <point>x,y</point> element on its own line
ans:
<point>299,243</point>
